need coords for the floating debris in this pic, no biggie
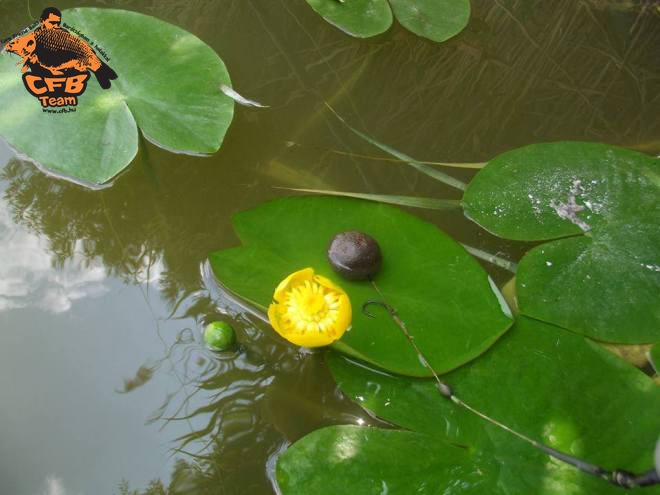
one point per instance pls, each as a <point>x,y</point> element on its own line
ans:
<point>241,100</point>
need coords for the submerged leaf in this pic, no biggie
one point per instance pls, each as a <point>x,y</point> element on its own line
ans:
<point>359,18</point>
<point>437,20</point>
<point>604,280</point>
<point>167,86</point>
<point>440,291</point>
<point>421,167</point>
<point>412,201</point>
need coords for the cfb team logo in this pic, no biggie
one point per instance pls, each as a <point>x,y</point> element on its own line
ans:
<point>56,63</point>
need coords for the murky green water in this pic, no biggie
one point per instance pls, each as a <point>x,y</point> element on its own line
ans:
<point>98,288</point>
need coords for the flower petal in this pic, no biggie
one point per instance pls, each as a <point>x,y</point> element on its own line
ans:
<point>274,318</point>
<point>345,314</point>
<point>309,310</point>
<point>292,280</point>
<point>328,284</point>
<point>309,339</point>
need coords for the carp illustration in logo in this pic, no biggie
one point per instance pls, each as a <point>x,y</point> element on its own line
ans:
<point>51,51</point>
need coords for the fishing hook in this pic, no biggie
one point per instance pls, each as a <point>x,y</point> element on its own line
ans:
<point>374,302</point>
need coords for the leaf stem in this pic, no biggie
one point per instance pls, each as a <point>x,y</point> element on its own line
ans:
<point>468,165</point>
<point>411,201</point>
<point>492,258</point>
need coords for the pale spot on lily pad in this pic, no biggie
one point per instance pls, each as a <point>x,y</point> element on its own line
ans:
<point>108,100</point>
<point>570,209</point>
<point>184,44</point>
<point>347,447</point>
<point>563,435</point>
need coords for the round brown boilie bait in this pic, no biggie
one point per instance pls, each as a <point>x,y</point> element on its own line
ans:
<point>354,255</point>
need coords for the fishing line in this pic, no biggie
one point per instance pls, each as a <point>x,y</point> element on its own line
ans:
<point>618,477</point>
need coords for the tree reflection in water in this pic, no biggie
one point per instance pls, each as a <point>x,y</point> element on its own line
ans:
<point>241,407</point>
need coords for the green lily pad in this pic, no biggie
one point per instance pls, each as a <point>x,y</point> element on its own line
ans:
<point>350,459</point>
<point>359,18</point>
<point>167,86</point>
<point>446,299</point>
<point>552,385</point>
<point>437,20</point>
<point>518,195</point>
<point>603,280</point>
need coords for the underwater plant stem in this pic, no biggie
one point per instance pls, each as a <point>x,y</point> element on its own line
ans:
<point>425,169</point>
<point>468,165</point>
<point>146,162</point>
<point>410,201</point>
<point>616,477</point>
<point>491,258</point>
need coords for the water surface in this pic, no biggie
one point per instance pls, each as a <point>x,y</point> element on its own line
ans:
<point>104,382</point>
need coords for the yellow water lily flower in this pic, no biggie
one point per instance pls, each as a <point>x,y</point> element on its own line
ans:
<point>309,310</point>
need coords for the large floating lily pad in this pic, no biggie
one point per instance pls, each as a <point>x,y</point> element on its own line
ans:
<point>552,385</point>
<point>444,296</point>
<point>603,280</point>
<point>437,20</point>
<point>167,87</point>
<point>524,194</point>
<point>349,459</point>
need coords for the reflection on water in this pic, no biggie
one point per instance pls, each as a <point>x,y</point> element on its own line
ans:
<point>243,406</point>
<point>27,277</point>
<point>212,408</point>
<point>54,486</point>
<point>6,154</point>
<point>101,298</point>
